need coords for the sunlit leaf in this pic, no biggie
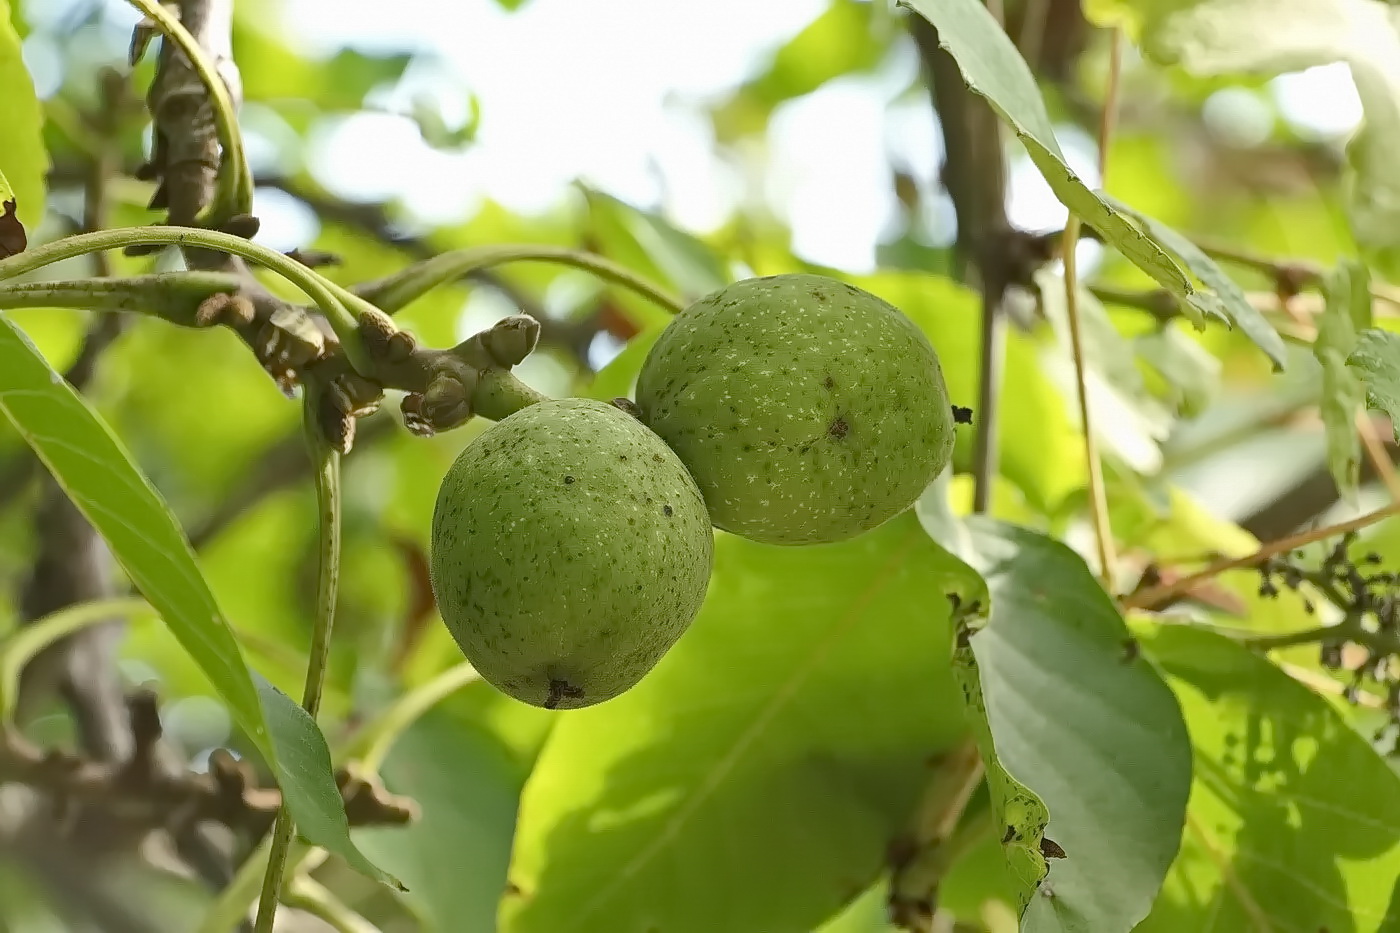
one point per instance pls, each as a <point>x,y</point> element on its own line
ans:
<point>1086,726</point>
<point>1376,360</point>
<point>1294,820</point>
<point>993,68</point>
<point>23,159</point>
<point>651,246</point>
<point>809,692</point>
<point>453,858</point>
<point>1348,310</point>
<point>1233,304</point>
<point>98,474</point>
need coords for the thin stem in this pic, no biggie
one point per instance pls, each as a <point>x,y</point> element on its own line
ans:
<point>372,744</point>
<point>501,394</point>
<point>919,874</point>
<point>1033,17</point>
<point>230,908</point>
<point>314,898</point>
<point>25,643</point>
<point>985,449</point>
<point>235,178</point>
<point>1098,497</point>
<point>1153,596</point>
<point>1108,117</point>
<point>327,584</point>
<point>315,286</point>
<point>1297,272</point>
<point>398,290</point>
<point>1321,633</point>
<point>1376,453</point>
<point>171,296</point>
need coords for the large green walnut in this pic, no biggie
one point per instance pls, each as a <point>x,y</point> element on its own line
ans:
<point>807,410</point>
<point>570,550</point>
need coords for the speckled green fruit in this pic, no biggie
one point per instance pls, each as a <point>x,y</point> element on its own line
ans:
<point>570,549</point>
<point>807,410</point>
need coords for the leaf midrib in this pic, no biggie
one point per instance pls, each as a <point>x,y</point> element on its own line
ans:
<point>780,698</point>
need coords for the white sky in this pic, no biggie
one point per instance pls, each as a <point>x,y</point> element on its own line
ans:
<point>605,91</point>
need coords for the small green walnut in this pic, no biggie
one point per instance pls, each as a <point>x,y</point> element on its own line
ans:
<point>807,410</point>
<point>570,550</point>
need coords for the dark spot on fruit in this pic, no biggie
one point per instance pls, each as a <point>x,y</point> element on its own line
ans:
<point>658,458</point>
<point>667,511</point>
<point>560,690</point>
<point>1051,849</point>
<point>838,428</point>
<point>1008,835</point>
<point>829,383</point>
<point>568,481</point>
<point>622,457</point>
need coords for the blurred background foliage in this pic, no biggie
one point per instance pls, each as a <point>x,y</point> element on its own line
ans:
<point>695,143</point>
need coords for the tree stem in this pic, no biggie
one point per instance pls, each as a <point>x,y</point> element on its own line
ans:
<point>316,287</point>
<point>1155,596</point>
<point>327,584</point>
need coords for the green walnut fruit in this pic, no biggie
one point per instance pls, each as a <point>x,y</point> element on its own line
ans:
<point>807,410</point>
<point>570,549</point>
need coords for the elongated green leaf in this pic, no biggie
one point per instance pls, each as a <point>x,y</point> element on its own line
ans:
<point>1210,38</point>
<point>651,246</point>
<point>1376,360</point>
<point>1084,725</point>
<point>23,159</point>
<point>454,857</point>
<point>809,692</point>
<point>993,68</point>
<point>1348,310</point>
<point>1294,821</point>
<point>98,474</point>
<point>1017,807</point>
<point>1233,303</point>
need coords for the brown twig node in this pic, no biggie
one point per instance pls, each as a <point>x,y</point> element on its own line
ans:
<point>143,796</point>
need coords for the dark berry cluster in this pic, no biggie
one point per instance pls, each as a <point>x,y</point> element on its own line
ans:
<point>1369,599</point>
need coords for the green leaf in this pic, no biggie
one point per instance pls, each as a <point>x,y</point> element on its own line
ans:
<point>1233,304</point>
<point>1129,422</point>
<point>1212,38</point>
<point>993,68</point>
<point>1016,806</point>
<point>1085,726</point>
<point>23,159</point>
<point>98,474</point>
<point>454,856</point>
<point>1347,311</point>
<point>619,377</point>
<point>1189,374</point>
<point>809,692</point>
<point>1376,360</point>
<point>1294,821</point>
<point>653,248</point>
